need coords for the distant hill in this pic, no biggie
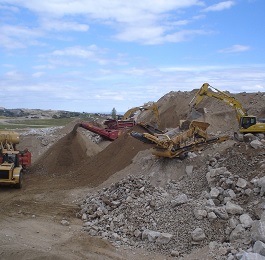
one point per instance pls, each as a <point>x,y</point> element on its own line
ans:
<point>43,114</point>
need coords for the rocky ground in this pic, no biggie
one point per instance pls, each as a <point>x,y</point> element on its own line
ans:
<point>89,199</point>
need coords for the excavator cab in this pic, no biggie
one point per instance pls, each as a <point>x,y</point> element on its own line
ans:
<point>247,121</point>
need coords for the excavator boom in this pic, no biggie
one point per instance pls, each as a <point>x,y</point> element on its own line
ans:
<point>153,107</point>
<point>205,91</point>
<point>247,123</point>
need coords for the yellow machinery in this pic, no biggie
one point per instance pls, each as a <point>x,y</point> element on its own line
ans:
<point>178,144</point>
<point>247,123</point>
<point>12,161</point>
<point>153,107</point>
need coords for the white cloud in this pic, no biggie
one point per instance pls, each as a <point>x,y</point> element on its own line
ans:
<point>38,74</point>
<point>235,48</point>
<point>179,23</point>
<point>153,18</point>
<point>103,9</point>
<point>60,25</point>
<point>86,91</point>
<point>89,53</point>
<point>145,34</point>
<point>13,37</point>
<point>219,7</point>
<point>257,87</point>
<point>92,53</point>
<point>76,52</point>
<point>190,68</point>
<point>157,35</point>
<point>13,75</point>
<point>43,67</point>
<point>183,35</point>
<point>56,62</point>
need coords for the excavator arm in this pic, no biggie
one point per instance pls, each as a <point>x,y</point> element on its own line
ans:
<point>204,91</point>
<point>247,123</point>
<point>153,107</point>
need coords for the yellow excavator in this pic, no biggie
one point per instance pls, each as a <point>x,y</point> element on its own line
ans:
<point>153,107</point>
<point>177,144</point>
<point>247,123</point>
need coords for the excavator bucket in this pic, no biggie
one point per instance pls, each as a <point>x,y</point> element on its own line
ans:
<point>197,113</point>
<point>200,124</point>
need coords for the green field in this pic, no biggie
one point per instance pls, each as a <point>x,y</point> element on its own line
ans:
<point>35,123</point>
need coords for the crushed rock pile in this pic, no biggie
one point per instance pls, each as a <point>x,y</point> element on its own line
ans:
<point>219,205</point>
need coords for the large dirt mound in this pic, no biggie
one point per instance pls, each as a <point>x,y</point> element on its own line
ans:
<point>174,107</point>
<point>67,163</point>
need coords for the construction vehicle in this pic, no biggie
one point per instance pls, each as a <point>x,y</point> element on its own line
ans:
<point>116,127</point>
<point>151,106</point>
<point>175,143</point>
<point>246,123</point>
<point>12,161</point>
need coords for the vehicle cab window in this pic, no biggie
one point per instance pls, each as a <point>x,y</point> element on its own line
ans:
<point>246,122</point>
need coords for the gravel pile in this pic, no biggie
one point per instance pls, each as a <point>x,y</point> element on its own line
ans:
<point>206,207</point>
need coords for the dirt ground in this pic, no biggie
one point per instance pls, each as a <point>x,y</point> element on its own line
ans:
<point>31,218</point>
<point>31,224</point>
<point>40,220</point>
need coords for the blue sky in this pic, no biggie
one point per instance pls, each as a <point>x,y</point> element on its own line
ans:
<point>91,56</point>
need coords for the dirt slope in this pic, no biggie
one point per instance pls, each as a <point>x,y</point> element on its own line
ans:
<point>67,163</point>
<point>174,107</point>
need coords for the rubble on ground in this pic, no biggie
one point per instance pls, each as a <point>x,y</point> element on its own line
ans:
<point>219,205</point>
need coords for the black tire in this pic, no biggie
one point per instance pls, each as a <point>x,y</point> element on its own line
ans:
<point>19,184</point>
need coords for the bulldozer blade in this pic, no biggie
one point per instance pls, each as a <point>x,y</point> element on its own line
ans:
<point>196,113</point>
